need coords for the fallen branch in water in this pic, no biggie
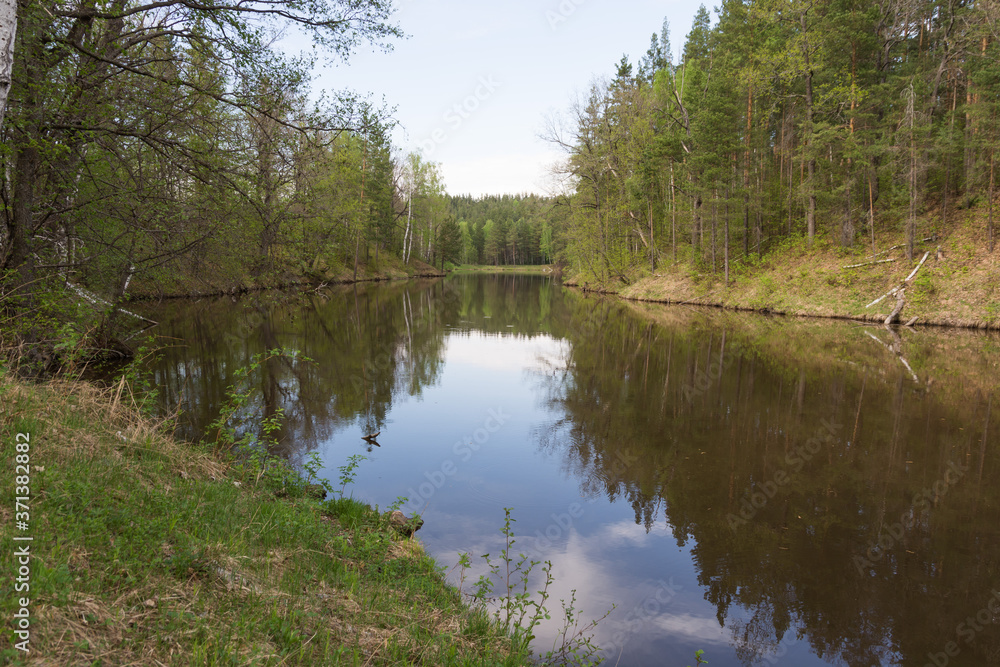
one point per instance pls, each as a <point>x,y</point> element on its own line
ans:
<point>895,352</point>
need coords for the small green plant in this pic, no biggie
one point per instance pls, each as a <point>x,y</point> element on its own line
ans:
<point>312,466</point>
<point>70,348</point>
<point>348,471</point>
<point>698,658</point>
<point>397,503</point>
<point>227,425</point>
<point>235,432</point>
<point>145,391</point>
<point>518,613</point>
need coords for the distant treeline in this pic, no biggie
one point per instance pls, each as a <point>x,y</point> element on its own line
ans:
<point>506,230</point>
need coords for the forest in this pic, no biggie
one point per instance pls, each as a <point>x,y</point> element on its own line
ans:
<point>171,147</point>
<point>507,230</point>
<point>841,120</point>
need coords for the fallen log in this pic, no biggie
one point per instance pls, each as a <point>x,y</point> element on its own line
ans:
<point>895,290</point>
<point>891,292</point>
<point>903,245</point>
<point>900,302</point>
<point>855,266</point>
<point>911,276</point>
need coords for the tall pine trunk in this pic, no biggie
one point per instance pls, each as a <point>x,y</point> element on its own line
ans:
<point>811,159</point>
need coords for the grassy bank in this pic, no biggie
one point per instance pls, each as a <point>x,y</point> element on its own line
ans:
<point>541,269</point>
<point>201,277</point>
<point>147,550</point>
<point>958,289</point>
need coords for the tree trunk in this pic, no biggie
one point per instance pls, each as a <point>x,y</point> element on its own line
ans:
<point>811,161</point>
<point>20,229</point>
<point>746,179</point>
<point>715,221</point>
<point>989,222</point>
<point>673,215</point>
<point>911,222</point>
<point>871,212</point>
<point>408,232</point>
<point>969,162</point>
<point>8,30</point>
<point>21,222</point>
<point>947,163</point>
<point>726,249</point>
<point>361,208</point>
<point>652,245</point>
<point>695,224</point>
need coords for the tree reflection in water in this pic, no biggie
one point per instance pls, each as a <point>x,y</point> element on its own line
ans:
<point>693,418</point>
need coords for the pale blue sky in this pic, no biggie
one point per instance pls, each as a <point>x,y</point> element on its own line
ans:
<point>506,65</point>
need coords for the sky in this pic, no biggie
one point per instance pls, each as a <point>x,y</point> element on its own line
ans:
<point>475,81</point>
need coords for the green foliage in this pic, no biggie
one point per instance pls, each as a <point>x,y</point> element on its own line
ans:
<point>240,432</point>
<point>348,471</point>
<point>140,380</point>
<point>449,241</point>
<point>506,230</point>
<point>235,170</point>
<point>505,591</point>
<point>781,121</point>
<point>993,311</point>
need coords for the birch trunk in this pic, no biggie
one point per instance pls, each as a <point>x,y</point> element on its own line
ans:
<point>8,29</point>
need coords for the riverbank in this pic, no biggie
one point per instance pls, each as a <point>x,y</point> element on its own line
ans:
<point>539,269</point>
<point>201,279</point>
<point>957,287</point>
<point>145,549</point>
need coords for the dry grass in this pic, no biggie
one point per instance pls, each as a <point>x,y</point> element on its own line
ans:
<point>960,290</point>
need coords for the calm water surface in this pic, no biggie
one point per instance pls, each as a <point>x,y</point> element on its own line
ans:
<point>773,491</point>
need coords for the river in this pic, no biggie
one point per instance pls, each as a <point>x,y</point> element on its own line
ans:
<point>774,491</point>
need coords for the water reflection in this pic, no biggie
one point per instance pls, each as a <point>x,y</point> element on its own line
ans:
<point>825,492</point>
<point>774,491</point>
<point>368,346</point>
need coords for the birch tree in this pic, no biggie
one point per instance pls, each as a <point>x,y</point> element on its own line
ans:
<point>8,31</point>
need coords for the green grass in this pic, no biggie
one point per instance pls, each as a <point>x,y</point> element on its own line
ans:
<point>541,269</point>
<point>151,551</point>
<point>792,278</point>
